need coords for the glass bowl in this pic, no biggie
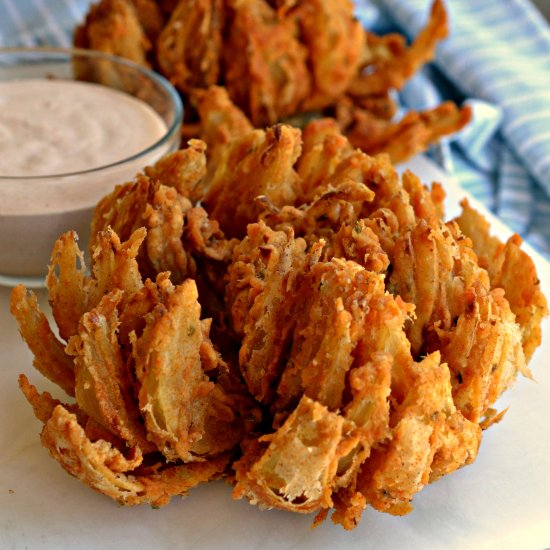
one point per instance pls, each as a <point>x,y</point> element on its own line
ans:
<point>35,210</point>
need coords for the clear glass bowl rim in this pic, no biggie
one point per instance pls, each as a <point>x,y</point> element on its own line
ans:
<point>67,53</point>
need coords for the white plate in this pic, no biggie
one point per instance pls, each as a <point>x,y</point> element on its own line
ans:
<point>501,501</point>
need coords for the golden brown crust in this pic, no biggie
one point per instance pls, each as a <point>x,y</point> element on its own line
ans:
<point>113,27</point>
<point>188,48</point>
<point>297,469</point>
<point>407,137</point>
<point>103,383</point>
<point>231,190</point>
<point>262,275</point>
<point>353,345</point>
<point>50,358</point>
<point>269,79</point>
<point>108,471</point>
<point>277,60</point>
<point>335,43</point>
<point>391,63</point>
<point>511,269</point>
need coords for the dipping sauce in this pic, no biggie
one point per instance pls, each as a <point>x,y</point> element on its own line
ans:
<point>64,145</point>
<point>62,126</point>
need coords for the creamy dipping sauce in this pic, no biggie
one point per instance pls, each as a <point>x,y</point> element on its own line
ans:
<point>64,145</point>
<point>62,126</point>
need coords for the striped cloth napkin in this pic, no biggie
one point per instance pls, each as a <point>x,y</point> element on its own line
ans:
<point>40,22</point>
<point>497,59</point>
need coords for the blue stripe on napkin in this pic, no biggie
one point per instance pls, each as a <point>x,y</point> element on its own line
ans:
<point>39,22</point>
<point>498,53</point>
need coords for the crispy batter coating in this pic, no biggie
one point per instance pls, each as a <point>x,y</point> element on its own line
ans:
<point>221,120</point>
<point>390,63</point>
<point>124,208</point>
<point>335,42</point>
<point>176,396</point>
<point>334,302</point>
<point>331,210</point>
<point>324,148</point>
<point>407,137</point>
<point>130,332</point>
<point>151,17</point>
<point>112,27</point>
<point>361,244</point>
<point>401,468</point>
<point>269,78</point>
<point>261,163</point>
<point>73,293</point>
<point>103,382</point>
<point>164,219</point>
<point>188,48</point>
<point>107,470</point>
<point>456,312</point>
<point>297,59</point>
<point>298,468</point>
<point>162,211</point>
<point>261,276</point>
<point>161,199</point>
<point>50,358</point>
<point>205,237</point>
<point>506,263</point>
<point>423,261</point>
<point>184,170</point>
<point>353,348</point>
<point>43,404</point>
<point>316,370</point>
<point>65,282</point>
<point>484,351</point>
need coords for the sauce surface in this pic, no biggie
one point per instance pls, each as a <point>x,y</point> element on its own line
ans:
<point>63,126</point>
